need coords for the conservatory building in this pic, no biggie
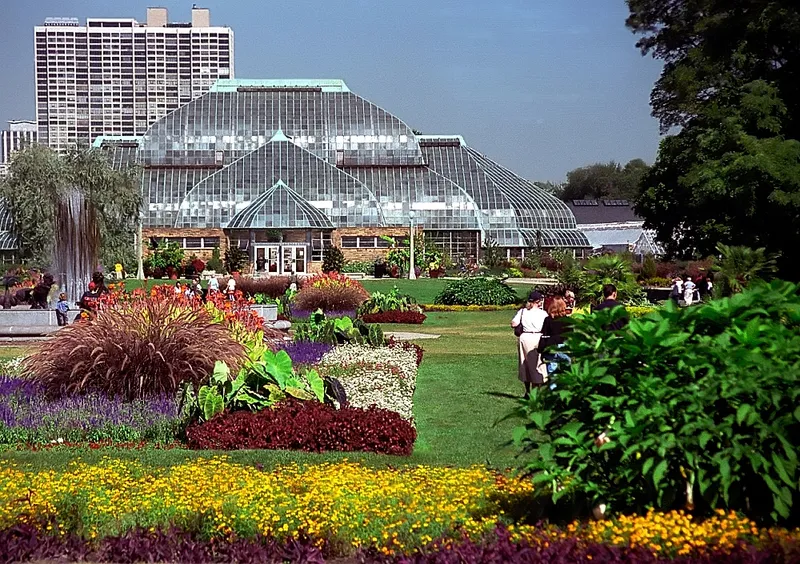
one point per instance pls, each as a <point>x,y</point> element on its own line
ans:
<point>285,168</point>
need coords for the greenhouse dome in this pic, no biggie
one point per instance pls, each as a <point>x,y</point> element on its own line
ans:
<point>284,168</point>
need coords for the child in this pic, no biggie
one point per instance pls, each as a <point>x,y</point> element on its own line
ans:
<point>62,307</point>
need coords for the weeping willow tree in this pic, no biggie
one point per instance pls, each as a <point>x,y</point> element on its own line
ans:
<point>44,189</point>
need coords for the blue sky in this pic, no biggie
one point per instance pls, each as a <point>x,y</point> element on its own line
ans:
<point>541,86</point>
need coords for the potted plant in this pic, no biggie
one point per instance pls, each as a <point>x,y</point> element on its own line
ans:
<point>434,268</point>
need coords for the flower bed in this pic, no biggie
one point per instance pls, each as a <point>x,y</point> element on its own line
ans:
<point>459,308</point>
<point>310,426</point>
<point>384,377</point>
<point>26,417</point>
<point>394,316</point>
<point>430,514</point>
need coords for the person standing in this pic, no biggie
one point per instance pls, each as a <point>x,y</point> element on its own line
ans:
<point>553,332</point>
<point>213,285</point>
<point>688,291</point>
<point>610,302</point>
<point>527,324</point>
<point>676,294</point>
<point>62,308</point>
<point>230,289</point>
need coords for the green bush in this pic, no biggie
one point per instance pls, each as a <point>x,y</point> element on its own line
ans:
<point>364,266</point>
<point>608,269</point>
<point>393,301</point>
<point>332,260</point>
<point>236,259</point>
<point>477,291</point>
<point>215,263</point>
<point>649,268</point>
<point>700,406</point>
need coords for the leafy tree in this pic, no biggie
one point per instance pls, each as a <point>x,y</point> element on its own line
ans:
<point>728,177</point>
<point>712,48</point>
<point>39,177</point>
<point>332,259</point>
<point>731,81</point>
<point>604,180</point>
<point>608,269</point>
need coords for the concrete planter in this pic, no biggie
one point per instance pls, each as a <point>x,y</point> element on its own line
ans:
<point>30,322</point>
<point>268,312</point>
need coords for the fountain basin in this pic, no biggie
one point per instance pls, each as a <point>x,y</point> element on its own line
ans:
<point>30,322</point>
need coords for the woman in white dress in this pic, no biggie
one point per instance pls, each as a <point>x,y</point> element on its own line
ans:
<point>688,291</point>
<point>532,369</point>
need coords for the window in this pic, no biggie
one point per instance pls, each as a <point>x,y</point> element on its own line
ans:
<point>193,243</point>
<point>349,242</point>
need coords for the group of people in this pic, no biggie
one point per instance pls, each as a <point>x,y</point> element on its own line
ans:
<point>195,288</point>
<point>541,328</point>
<point>690,291</point>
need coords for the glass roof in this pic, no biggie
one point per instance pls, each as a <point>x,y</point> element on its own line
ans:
<point>273,153</point>
<point>7,240</point>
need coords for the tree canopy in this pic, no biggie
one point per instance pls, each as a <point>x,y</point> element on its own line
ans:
<point>731,84</point>
<point>604,180</point>
<point>39,177</point>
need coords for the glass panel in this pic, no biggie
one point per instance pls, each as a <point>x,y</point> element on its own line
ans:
<point>300,263</point>
<point>193,243</point>
<point>272,259</point>
<point>288,259</point>
<point>349,242</point>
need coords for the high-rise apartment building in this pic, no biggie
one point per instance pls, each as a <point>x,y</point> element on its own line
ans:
<point>20,134</point>
<point>116,76</point>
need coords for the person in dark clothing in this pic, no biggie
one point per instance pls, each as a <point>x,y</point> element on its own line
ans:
<point>553,335</point>
<point>610,302</point>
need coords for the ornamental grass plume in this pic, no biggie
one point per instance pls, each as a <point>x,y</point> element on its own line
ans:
<point>143,348</point>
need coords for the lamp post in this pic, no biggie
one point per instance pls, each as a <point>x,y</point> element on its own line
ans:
<point>412,275</point>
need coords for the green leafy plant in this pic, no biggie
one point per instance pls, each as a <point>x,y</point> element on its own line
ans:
<point>214,263</point>
<point>608,269</point>
<point>337,331</point>
<point>266,379</point>
<point>236,259</point>
<point>649,268</point>
<point>687,408</point>
<point>741,266</point>
<point>363,266</point>
<point>332,259</point>
<point>393,301</point>
<point>477,291</point>
<point>491,254</point>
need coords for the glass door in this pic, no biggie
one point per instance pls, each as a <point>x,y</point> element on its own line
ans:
<point>273,265</point>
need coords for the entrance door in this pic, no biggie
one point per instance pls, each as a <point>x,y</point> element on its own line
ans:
<point>273,265</point>
<point>281,259</point>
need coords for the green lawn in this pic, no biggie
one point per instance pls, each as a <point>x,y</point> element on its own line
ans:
<point>423,290</point>
<point>455,412</point>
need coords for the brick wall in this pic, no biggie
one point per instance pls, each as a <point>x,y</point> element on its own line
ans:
<point>203,254</point>
<point>369,254</point>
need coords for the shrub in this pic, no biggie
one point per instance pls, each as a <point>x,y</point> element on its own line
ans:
<point>608,269</point>
<point>215,263</point>
<point>307,426</point>
<point>272,286</point>
<point>332,259</point>
<point>477,291</point>
<point>699,405</point>
<point>141,348</point>
<point>393,301</point>
<point>363,266</point>
<point>322,329</point>
<point>330,292</point>
<point>236,259</point>
<point>657,282</point>
<point>384,377</point>
<point>649,269</point>
<point>395,316</point>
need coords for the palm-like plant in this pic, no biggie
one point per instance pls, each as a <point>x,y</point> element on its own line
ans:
<point>741,266</point>
<point>608,269</point>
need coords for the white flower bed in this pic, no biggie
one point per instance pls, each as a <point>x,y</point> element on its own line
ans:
<point>384,377</point>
